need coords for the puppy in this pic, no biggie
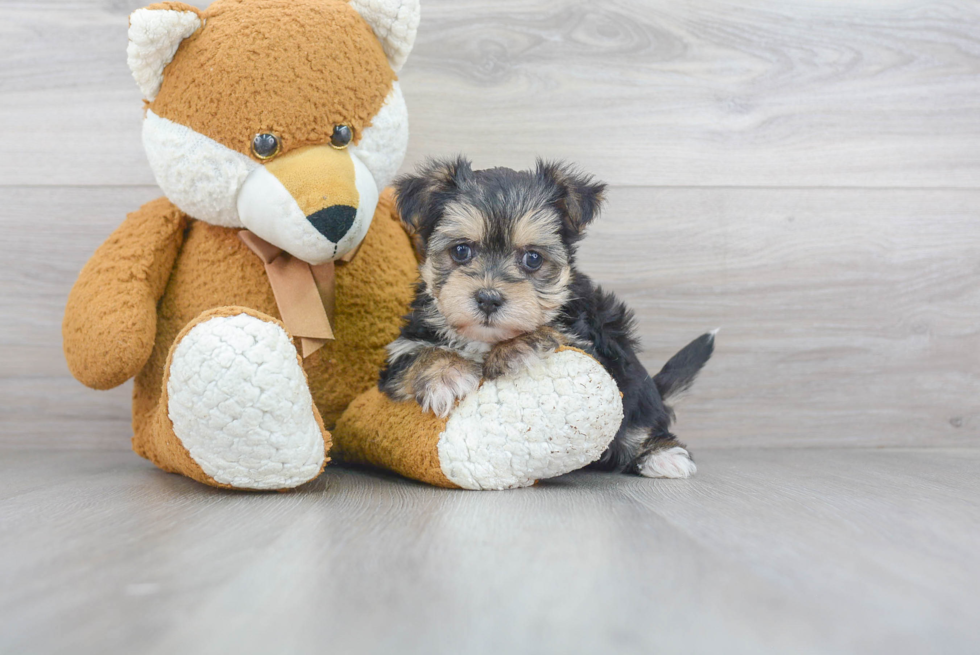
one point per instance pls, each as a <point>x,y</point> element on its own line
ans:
<point>499,289</point>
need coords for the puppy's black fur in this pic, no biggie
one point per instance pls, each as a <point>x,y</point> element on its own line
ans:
<point>450,339</point>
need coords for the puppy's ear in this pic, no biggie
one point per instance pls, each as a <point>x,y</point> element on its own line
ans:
<point>578,196</point>
<point>421,197</point>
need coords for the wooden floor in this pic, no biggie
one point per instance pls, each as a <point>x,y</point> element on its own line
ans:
<point>765,551</point>
<point>804,175</point>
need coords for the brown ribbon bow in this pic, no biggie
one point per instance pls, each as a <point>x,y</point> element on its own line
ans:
<point>305,293</point>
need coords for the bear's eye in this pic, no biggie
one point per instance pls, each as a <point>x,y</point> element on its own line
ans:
<point>461,253</point>
<point>341,136</point>
<point>532,260</point>
<point>266,146</point>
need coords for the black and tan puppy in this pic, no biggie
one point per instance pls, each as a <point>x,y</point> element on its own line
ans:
<point>499,288</point>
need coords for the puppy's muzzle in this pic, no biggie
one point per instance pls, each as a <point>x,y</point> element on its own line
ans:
<point>315,202</point>
<point>488,301</point>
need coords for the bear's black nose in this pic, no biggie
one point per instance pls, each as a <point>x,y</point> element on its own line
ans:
<point>488,301</point>
<point>333,222</point>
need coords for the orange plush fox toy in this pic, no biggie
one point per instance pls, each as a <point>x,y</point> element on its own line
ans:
<point>253,303</point>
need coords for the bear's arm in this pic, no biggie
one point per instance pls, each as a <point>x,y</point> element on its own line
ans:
<point>111,318</point>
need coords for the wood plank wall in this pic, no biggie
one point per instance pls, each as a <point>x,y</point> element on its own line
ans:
<point>803,174</point>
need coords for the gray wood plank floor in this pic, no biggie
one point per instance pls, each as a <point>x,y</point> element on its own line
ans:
<point>765,551</point>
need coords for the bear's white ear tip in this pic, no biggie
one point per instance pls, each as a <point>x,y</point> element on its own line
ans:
<point>154,36</point>
<point>395,23</point>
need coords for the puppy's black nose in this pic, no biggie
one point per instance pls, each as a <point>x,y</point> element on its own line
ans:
<point>488,301</point>
<point>333,222</point>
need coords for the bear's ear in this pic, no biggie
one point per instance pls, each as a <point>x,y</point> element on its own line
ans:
<point>576,195</point>
<point>155,34</point>
<point>395,23</point>
<point>421,197</point>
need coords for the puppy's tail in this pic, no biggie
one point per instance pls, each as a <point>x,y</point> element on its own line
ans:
<point>679,372</point>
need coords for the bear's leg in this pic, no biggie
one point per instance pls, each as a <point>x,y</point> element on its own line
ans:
<point>557,416</point>
<point>235,408</point>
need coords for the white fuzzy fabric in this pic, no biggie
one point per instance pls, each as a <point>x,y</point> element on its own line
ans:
<point>267,208</point>
<point>395,23</point>
<point>557,416</point>
<point>198,174</point>
<point>154,36</point>
<point>382,146</point>
<point>673,462</point>
<point>240,404</point>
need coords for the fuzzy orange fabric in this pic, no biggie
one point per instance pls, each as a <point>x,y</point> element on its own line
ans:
<point>295,69</point>
<point>111,318</point>
<point>400,437</point>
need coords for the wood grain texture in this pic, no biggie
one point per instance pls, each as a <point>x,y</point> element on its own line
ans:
<point>767,551</point>
<point>761,93</point>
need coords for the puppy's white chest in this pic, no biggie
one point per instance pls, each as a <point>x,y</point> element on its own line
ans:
<point>475,351</point>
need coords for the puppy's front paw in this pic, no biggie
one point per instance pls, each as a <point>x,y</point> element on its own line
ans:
<point>442,384</point>
<point>512,356</point>
<point>672,462</point>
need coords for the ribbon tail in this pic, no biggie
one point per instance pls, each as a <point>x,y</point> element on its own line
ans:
<point>298,296</point>
<point>310,345</point>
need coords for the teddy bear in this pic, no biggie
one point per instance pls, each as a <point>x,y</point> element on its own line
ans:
<point>253,302</point>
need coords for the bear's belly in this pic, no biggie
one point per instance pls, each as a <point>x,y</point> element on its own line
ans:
<point>216,269</point>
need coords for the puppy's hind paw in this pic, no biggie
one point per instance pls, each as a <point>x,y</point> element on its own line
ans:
<point>672,462</point>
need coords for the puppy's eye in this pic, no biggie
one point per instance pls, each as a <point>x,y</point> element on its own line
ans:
<point>341,137</point>
<point>266,146</point>
<point>532,260</point>
<point>461,253</point>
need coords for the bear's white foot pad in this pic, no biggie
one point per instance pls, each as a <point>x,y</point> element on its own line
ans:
<point>557,416</point>
<point>240,404</point>
<point>673,462</point>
